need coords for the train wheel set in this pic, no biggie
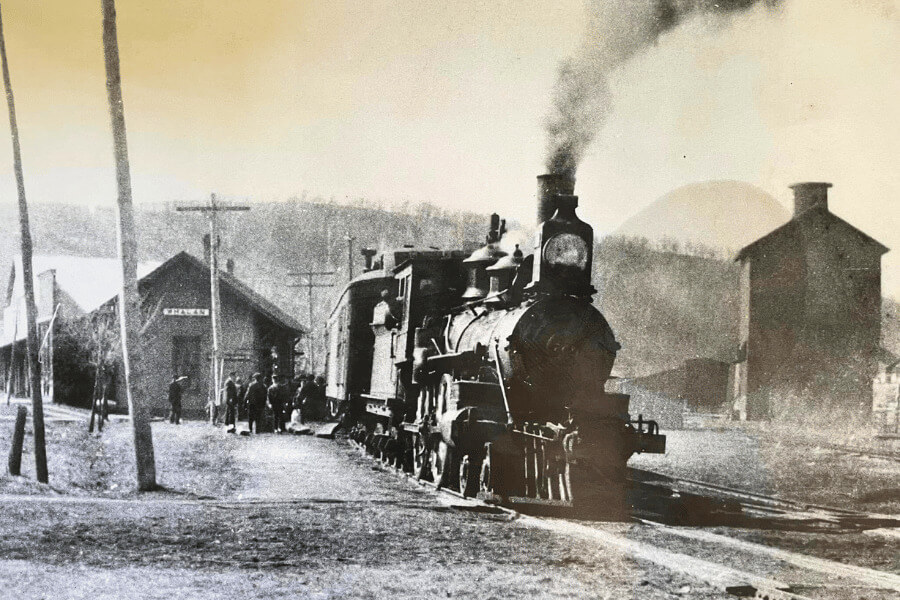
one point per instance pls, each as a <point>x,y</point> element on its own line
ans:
<point>527,464</point>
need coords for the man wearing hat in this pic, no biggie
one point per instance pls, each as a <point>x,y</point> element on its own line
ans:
<point>231,402</point>
<point>277,395</point>
<point>175,399</point>
<point>256,402</point>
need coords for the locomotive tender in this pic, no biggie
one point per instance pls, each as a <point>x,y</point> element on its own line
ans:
<point>486,371</point>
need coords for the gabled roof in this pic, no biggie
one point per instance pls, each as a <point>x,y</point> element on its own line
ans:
<point>233,284</point>
<point>798,222</point>
<point>90,282</point>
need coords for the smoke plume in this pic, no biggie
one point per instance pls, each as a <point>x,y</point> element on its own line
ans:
<point>615,31</point>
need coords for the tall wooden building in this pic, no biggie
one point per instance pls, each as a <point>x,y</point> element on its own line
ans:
<point>175,298</point>
<point>810,312</point>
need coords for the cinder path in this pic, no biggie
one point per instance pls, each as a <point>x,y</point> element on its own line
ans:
<point>289,467</point>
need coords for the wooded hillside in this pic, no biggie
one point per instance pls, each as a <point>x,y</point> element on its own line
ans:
<point>666,302</point>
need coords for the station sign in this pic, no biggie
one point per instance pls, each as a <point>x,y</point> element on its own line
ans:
<point>186,312</point>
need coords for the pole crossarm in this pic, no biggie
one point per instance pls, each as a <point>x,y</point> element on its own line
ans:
<point>210,208</point>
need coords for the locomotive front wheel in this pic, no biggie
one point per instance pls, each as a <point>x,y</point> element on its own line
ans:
<point>333,408</point>
<point>441,458</point>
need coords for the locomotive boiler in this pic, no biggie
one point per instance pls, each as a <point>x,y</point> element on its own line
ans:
<point>485,371</point>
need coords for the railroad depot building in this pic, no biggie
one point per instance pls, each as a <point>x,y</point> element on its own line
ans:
<point>82,294</point>
<point>810,323</point>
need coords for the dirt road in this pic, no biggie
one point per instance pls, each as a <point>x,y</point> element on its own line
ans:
<point>288,516</point>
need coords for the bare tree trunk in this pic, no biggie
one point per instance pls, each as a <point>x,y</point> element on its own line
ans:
<point>94,398</point>
<point>32,343</point>
<point>129,299</point>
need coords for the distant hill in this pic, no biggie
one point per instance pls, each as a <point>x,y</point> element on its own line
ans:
<point>267,243</point>
<point>665,307</point>
<point>715,214</point>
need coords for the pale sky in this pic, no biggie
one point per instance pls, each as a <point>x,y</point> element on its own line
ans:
<point>444,102</point>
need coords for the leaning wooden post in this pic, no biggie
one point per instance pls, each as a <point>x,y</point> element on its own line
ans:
<point>32,343</point>
<point>15,452</point>
<point>12,348</point>
<point>129,300</point>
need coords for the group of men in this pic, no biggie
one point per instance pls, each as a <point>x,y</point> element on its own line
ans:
<point>307,400</point>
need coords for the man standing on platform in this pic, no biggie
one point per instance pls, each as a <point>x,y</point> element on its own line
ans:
<point>231,403</point>
<point>256,402</point>
<point>175,400</point>
<point>277,393</point>
<point>306,398</point>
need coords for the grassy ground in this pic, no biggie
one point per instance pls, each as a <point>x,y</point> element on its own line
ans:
<point>300,517</point>
<point>197,459</point>
<point>190,459</point>
<point>297,516</point>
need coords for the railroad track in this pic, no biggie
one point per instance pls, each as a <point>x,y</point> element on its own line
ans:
<point>840,580</point>
<point>857,451</point>
<point>744,507</point>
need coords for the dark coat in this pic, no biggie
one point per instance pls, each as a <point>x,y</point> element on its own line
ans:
<point>308,391</point>
<point>174,393</point>
<point>231,392</point>
<point>278,394</point>
<point>256,395</point>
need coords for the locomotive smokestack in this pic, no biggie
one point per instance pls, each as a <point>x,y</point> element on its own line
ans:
<point>810,194</point>
<point>548,187</point>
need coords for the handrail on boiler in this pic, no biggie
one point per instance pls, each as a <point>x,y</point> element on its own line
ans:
<point>496,348</point>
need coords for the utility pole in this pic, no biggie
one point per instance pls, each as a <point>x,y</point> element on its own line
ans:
<point>350,241</point>
<point>309,285</point>
<point>129,298</point>
<point>37,401</point>
<point>212,211</point>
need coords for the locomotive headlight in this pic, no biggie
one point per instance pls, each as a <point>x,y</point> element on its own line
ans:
<point>566,249</point>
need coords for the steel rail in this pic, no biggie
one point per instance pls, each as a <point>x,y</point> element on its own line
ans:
<point>650,477</point>
<point>880,579</point>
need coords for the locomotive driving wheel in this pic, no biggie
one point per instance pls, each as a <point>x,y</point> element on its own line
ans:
<point>469,476</point>
<point>441,459</point>
<point>487,485</point>
<point>332,407</point>
<point>420,458</point>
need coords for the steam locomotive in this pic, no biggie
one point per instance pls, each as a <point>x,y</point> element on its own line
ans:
<point>485,371</point>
